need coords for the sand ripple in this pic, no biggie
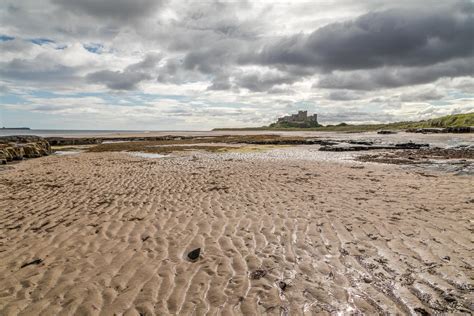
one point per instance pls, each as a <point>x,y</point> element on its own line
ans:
<point>110,234</point>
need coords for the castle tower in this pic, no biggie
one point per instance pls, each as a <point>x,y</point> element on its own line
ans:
<point>302,115</point>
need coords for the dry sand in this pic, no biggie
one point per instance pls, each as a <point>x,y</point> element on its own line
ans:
<point>108,233</point>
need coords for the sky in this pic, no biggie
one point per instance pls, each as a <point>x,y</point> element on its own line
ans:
<point>198,65</point>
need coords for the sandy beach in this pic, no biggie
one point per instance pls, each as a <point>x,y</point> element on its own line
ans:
<point>109,234</point>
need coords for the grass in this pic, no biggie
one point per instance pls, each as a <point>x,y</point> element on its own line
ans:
<point>456,120</point>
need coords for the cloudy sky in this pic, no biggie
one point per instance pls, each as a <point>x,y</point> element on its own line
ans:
<point>172,64</point>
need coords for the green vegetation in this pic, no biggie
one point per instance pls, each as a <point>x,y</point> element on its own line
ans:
<point>450,121</point>
<point>456,120</point>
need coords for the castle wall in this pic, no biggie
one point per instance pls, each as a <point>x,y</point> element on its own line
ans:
<point>300,117</point>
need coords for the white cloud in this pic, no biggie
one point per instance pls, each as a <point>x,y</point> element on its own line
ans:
<point>208,55</point>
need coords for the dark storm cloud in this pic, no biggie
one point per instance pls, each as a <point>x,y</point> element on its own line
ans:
<point>111,9</point>
<point>221,82</point>
<point>259,82</point>
<point>396,77</point>
<point>344,95</point>
<point>130,77</point>
<point>390,38</point>
<point>148,63</point>
<point>41,69</point>
<point>420,96</point>
<point>117,80</point>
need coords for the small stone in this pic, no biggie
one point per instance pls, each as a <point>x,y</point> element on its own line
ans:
<point>367,279</point>
<point>282,285</point>
<point>449,298</point>
<point>194,255</point>
<point>258,274</point>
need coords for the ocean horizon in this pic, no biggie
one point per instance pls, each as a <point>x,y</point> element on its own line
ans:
<point>76,132</point>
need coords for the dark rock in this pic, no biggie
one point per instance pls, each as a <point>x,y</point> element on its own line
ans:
<point>282,285</point>
<point>454,129</point>
<point>258,274</point>
<point>34,262</point>
<point>66,141</point>
<point>410,146</point>
<point>459,129</point>
<point>367,279</point>
<point>361,142</point>
<point>344,148</point>
<point>384,132</point>
<point>449,298</point>
<point>421,311</point>
<point>194,255</point>
<point>425,130</point>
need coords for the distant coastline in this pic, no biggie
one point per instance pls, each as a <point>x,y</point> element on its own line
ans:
<point>17,128</point>
<point>463,122</point>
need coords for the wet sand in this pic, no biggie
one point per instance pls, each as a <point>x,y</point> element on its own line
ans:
<point>279,232</point>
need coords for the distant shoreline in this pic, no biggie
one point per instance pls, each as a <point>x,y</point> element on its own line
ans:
<point>16,128</point>
<point>457,121</point>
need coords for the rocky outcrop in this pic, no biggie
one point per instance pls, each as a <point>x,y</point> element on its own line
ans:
<point>67,141</point>
<point>362,146</point>
<point>386,132</point>
<point>20,147</point>
<point>454,129</point>
<point>70,141</point>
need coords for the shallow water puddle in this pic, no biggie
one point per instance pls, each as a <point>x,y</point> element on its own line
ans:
<point>145,155</point>
<point>66,153</point>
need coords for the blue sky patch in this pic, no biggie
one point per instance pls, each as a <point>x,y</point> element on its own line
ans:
<point>4,38</point>
<point>41,41</point>
<point>94,48</point>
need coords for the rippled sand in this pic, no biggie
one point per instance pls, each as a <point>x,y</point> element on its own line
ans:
<point>107,233</point>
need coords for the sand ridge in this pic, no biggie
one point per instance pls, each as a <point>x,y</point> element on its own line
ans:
<point>278,236</point>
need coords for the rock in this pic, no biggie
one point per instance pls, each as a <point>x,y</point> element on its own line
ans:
<point>449,298</point>
<point>410,146</point>
<point>258,274</point>
<point>459,129</point>
<point>421,311</point>
<point>385,132</point>
<point>19,147</point>
<point>454,129</point>
<point>194,255</point>
<point>425,130</point>
<point>344,148</point>
<point>360,142</point>
<point>361,146</point>
<point>282,285</point>
<point>65,141</point>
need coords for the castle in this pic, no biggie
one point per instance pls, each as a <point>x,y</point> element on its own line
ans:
<point>299,120</point>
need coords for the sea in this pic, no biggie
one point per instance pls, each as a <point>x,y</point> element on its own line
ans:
<point>64,132</point>
<point>437,140</point>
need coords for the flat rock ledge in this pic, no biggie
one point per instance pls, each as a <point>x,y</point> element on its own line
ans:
<point>21,147</point>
